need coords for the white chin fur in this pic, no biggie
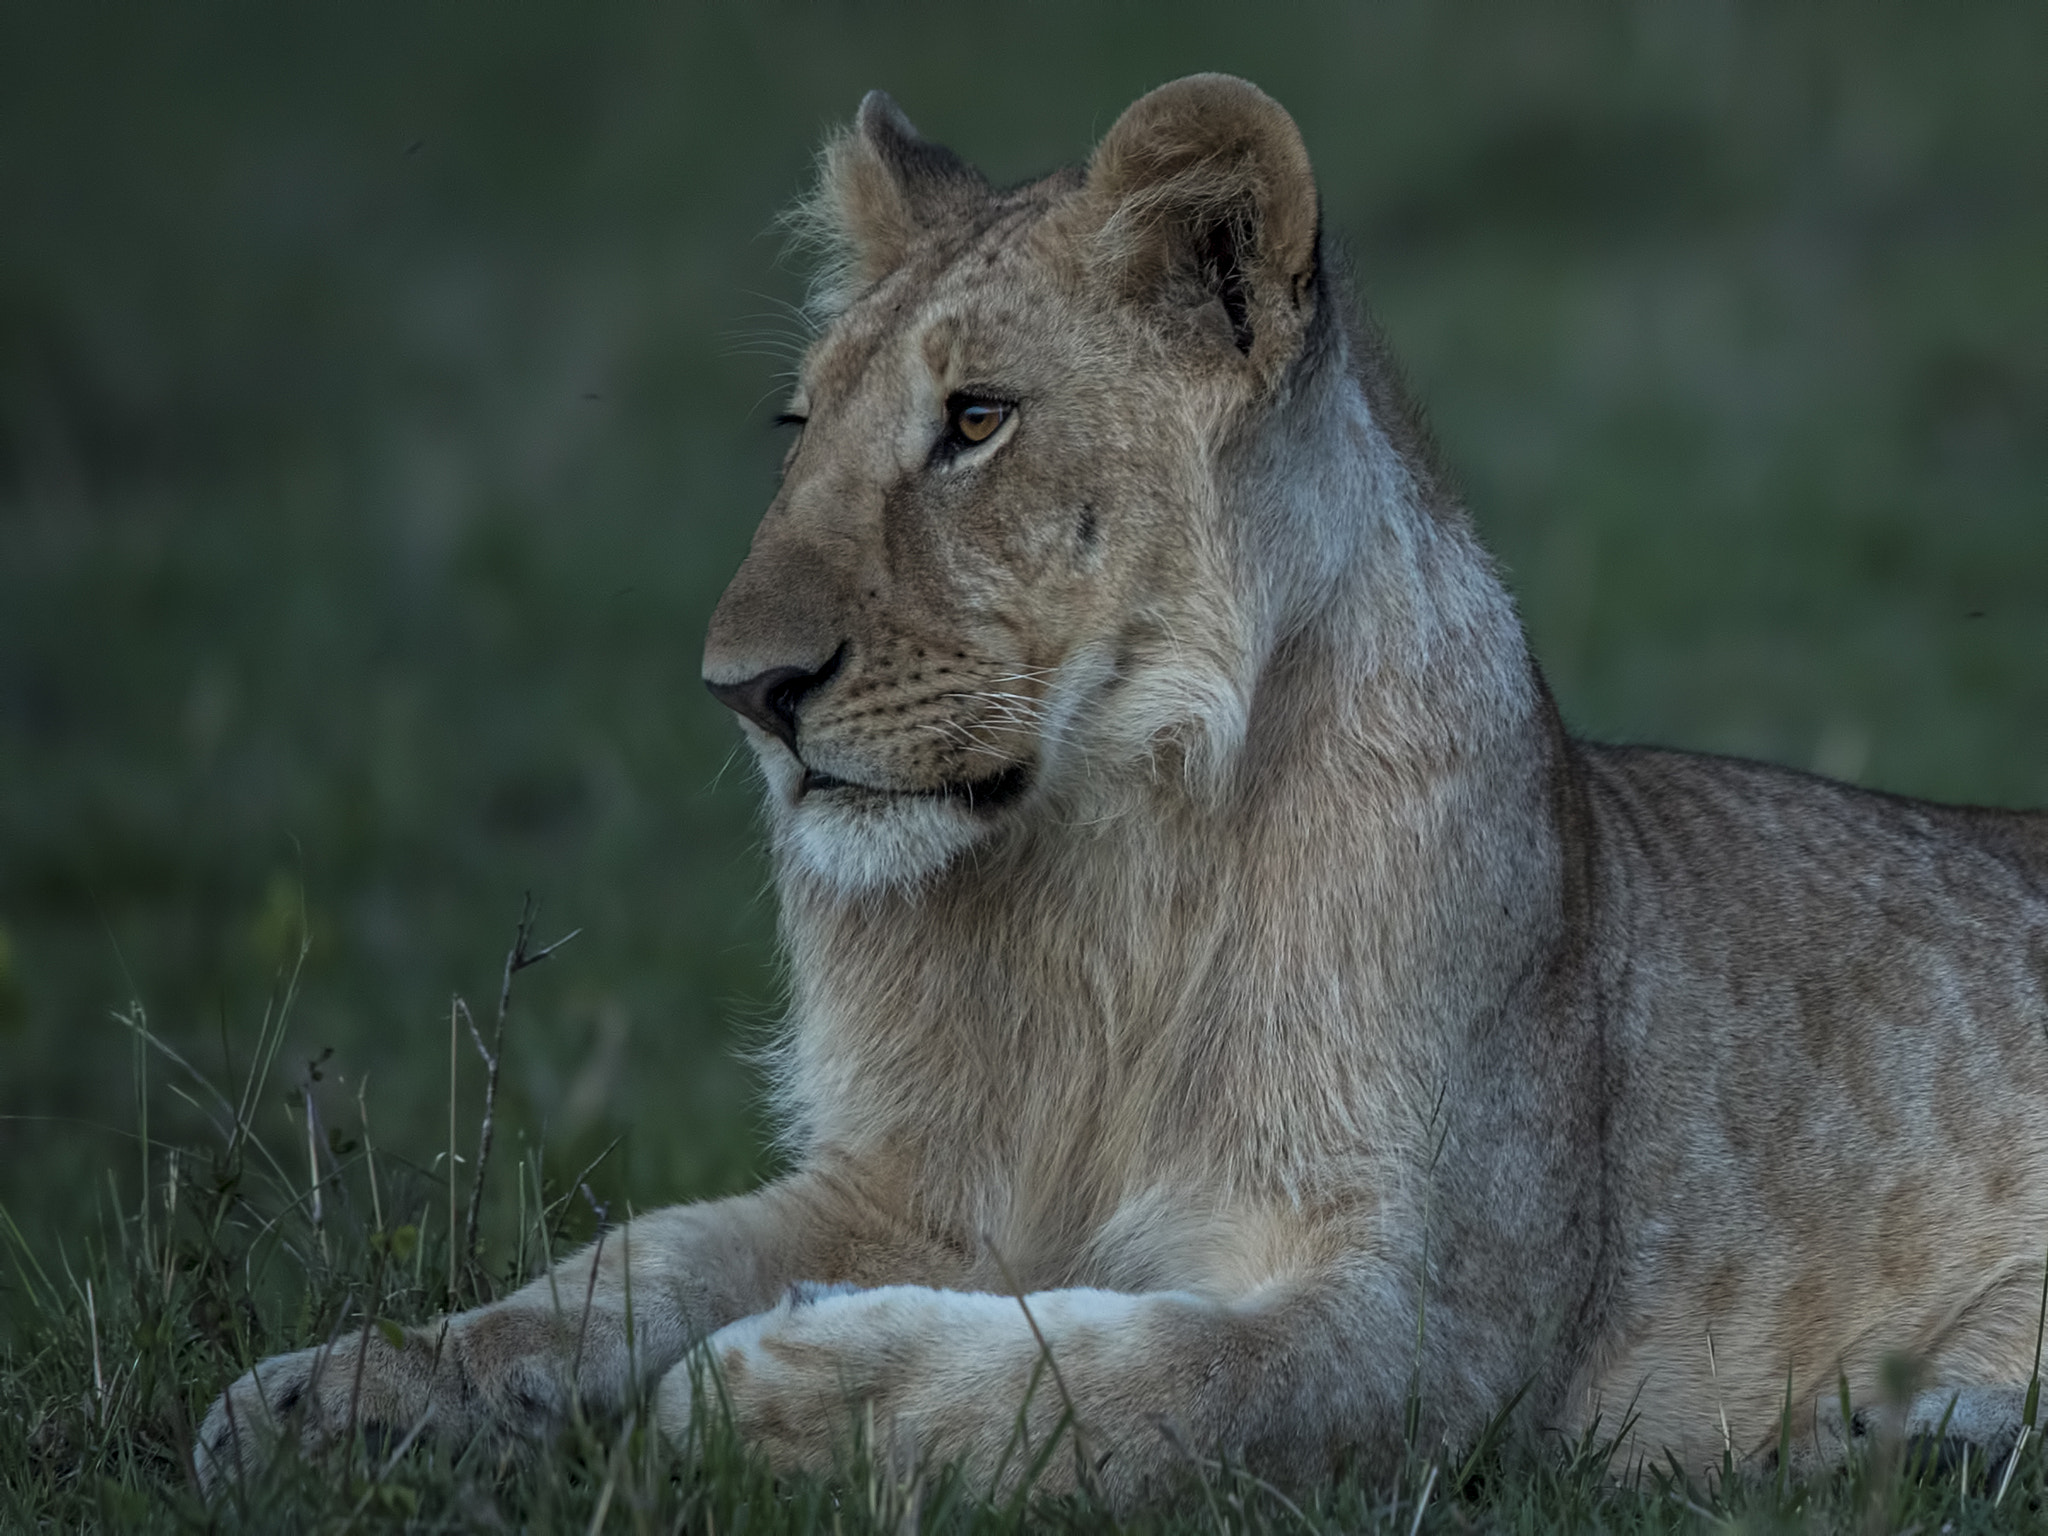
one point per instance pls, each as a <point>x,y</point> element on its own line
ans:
<point>859,842</point>
<point>854,841</point>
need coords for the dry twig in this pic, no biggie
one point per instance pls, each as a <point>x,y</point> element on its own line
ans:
<point>517,959</point>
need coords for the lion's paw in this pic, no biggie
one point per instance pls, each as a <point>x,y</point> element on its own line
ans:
<point>921,1375</point>
<point>1943,1424</point>
<point>796,1379</point>
<point>319,1396</point>
<point>281,1396</point>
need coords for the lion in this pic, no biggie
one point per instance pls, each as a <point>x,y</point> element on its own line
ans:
<point>1230,1016</point>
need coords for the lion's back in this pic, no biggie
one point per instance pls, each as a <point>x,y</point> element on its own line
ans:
<point>1829,1024</point>
<point>1772,856</point>
<point>1762,903</point>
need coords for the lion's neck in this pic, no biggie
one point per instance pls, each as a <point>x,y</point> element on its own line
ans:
<point>1358,890</point>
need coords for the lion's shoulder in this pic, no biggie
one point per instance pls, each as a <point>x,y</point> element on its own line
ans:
<point>1769,856</point>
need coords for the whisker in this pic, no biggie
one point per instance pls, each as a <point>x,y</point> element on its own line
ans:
<point>957,736</point>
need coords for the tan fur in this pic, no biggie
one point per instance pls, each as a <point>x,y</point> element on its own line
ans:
<point>1304,974</point>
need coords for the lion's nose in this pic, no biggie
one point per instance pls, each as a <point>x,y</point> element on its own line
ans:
<point>770,699</point>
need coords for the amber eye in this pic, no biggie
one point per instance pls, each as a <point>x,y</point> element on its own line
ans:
<point>978,421</point>
<point>975,421</point>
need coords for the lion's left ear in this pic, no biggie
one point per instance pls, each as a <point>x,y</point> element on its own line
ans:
<point>1203,198</point>
<point>882,186</point>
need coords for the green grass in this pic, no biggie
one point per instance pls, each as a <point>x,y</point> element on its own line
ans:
<point>382,406</point>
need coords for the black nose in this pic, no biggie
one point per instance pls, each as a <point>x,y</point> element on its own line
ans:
<point>770,699</point>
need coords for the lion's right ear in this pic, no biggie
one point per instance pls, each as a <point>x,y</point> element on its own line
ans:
<point>880,187</point>
<point>1202,201</point>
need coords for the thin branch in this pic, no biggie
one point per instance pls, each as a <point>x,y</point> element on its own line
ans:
<point>517,959</point>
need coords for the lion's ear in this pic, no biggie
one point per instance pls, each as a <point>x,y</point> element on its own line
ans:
<point>881,187</point>
<point>1202,196</point>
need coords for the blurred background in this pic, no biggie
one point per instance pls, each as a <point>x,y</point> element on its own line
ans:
<point>384,400</point>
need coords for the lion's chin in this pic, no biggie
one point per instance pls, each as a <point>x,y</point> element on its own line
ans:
<point>861,840</point>
<point>855,837</point>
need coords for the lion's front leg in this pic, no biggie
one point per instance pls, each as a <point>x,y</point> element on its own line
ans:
<point>620,1313</point>
<point>1150,1384</point>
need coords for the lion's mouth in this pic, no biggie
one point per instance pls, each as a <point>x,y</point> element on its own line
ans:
<point>989,794</point>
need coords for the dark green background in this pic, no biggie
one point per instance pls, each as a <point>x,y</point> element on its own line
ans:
<point>384,399</point>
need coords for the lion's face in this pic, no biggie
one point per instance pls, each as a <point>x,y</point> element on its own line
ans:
<point>996,569</point>
<point>976,524</point>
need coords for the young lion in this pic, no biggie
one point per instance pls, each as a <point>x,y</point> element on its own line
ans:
<point>1213,965</point>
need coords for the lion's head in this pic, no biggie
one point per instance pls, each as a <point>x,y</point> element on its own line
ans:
<point>1023,550</point>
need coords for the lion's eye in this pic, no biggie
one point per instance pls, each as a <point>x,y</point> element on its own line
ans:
<point>971,420</point>
<point>976,422</point>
